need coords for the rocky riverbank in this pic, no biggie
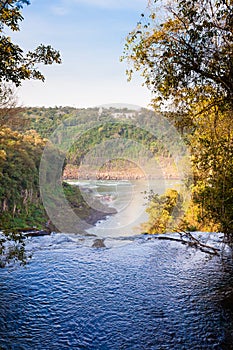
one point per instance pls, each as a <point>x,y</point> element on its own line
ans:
<point>166,169</point>
<point>89,218</point>
<point>30,226</point>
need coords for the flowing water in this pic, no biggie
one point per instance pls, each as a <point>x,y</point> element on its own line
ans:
<point>137,293</point>
<point>129,200</point>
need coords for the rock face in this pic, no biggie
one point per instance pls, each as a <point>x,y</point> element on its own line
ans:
<point>72,172</point>
<point>163,168</point>
<point>98,243</point>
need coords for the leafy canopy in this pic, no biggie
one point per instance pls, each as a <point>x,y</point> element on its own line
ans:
<point>185,45</point>
<point>15,65</point>
<point>184,49</point>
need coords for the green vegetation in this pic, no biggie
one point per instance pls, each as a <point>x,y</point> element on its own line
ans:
<point>184,50</point>
<point>164,212</point>
<point>141,131</point>
<point>46,120</point>
<point>110,131</point>
<point>20,203</point>
<point>20,153</point>
<point>15,65</point>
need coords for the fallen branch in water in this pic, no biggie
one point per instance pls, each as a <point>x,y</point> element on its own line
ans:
<point>36,233</point>
<point>194,242</point>
<point>188,239</point>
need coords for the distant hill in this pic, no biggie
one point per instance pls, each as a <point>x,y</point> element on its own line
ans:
<point>121,106</point>
<point>119,131</point>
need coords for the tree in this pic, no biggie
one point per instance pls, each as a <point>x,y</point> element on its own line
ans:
<point>9,111</point>
<point>15,65</point>
<point>212,149</point>
<point>164,211</point>
<point>185,50</point>
<point>19,189</point>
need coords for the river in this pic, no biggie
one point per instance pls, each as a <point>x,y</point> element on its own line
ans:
<point>137,293</point>
<point>128,198</point>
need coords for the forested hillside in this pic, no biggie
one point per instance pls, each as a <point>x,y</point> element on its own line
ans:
<point>135,132</point>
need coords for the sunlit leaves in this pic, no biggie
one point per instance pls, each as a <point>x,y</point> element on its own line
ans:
<point>188,44</point>
<point>185,55</point>
<point>19,163</point>
<point>15,65</point>
<point>164,211</point>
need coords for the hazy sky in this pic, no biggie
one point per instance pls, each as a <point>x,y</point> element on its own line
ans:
<point>90,35</point>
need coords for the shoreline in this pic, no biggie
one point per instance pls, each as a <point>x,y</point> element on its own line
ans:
<point>93,218</point>
<point>166,170</point>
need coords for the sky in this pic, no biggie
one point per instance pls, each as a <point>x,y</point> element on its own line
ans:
<point>90,35</point>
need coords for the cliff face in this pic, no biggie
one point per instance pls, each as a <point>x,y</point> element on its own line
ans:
<point>166,169</point>
<point>73,172</point>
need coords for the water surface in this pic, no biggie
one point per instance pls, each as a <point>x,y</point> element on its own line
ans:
<point>139,294</point>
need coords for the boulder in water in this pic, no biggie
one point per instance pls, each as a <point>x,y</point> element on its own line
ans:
<point>98,243</point>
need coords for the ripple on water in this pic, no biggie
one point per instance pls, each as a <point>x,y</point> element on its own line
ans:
<point>156,295</point>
